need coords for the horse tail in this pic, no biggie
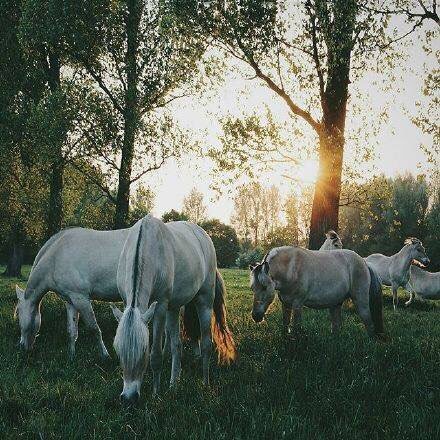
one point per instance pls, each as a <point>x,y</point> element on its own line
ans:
<point>227,351</point>
<point>191,325</point>
<point>376,303</point>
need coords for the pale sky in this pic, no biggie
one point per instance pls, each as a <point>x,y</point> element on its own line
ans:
<point>398,139</point>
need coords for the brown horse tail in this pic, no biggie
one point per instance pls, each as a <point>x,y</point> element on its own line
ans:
<point>226,349</point>
<point>376,304</point>
<point>191,325</point>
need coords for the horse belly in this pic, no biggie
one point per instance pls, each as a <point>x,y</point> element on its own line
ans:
<point>325,296</point>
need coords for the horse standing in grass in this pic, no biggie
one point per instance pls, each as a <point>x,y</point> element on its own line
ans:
<point>424,284</point>
<point>79,265</point>
<point>163,267</point>
<point>395,271</point>
<point>319,280</point>
<point>332,242</point>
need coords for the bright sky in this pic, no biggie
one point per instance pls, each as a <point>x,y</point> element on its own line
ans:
<point>398,139</point>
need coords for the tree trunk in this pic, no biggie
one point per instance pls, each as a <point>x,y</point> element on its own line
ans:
<point>16,252</point>
<point>325,208</point>
<point>55,211</point>
<point>339,41</point>
<point>131,114</point>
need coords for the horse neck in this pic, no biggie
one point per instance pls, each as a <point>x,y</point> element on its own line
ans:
<point>403,259</point>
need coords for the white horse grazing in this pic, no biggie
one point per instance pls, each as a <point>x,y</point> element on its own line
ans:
<point>424,284</point>
<point>395,271</point>
<point>318,279</point>
<point>79,265</point>
<point>163,267</point>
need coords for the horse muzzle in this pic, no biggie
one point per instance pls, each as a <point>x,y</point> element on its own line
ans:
<point>257,316</point>
<point>129,399</point>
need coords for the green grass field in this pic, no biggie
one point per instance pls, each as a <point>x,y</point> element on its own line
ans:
<point>322,386</point>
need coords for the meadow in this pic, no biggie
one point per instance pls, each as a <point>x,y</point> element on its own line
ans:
<point>317,386</point>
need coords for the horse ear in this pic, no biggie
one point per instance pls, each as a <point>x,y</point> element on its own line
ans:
<point>408,241</point>
<point>19,292</point>
<point>252,266</point>
<point>148,315</point>
<point>116,312</point>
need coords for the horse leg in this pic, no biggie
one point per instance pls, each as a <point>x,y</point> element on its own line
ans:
<point>205,314</point>
<point>85,309</point>
<point>287,317</point>
<point>72,328</point>
<point>363,308</point>
<point>335,316</point>
<point>156,349</point>
<point>176,345</point>
<point>297,318</point>
<point>395,297</point>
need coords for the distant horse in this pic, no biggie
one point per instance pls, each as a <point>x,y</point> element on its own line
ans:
<point>79,265</point>
<point>332,241</point>
<point>424,284</point>
<point>162,267</point>
<point>395,271</point>
<point>319,280</point>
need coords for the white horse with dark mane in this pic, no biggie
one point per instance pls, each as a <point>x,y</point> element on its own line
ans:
<point>318,279</point>
<point>395,271</point>
<point>163,267</point>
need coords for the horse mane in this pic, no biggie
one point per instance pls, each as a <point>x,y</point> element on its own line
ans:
<point>131,340</point>
<point>411,240</point>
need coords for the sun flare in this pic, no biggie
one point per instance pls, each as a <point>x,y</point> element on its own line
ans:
<point>307,171</point>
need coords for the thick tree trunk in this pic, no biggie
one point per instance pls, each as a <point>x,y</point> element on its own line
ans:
<point>131,114</point>
<point>339,42</point>
<point>325,209</point>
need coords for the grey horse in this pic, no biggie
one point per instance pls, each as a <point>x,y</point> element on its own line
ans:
<point>332,242</point>
<point>395,271</point>
<point>318,279</point>
<point>163,267</point>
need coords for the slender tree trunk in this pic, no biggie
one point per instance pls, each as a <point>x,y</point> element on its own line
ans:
<point>131,114</point>
<point>55,211</point>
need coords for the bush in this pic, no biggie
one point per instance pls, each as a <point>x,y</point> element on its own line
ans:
<point>249,256</point>
<point>225,241</point>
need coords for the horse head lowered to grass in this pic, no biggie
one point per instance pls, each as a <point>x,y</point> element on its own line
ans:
<point>163,267</point>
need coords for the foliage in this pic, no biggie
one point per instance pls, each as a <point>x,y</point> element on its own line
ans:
<point>225,241</point>
<point>194,207</point>
<point>249,255</point>
<point>141,204</point>
<point>256,211</point>
<point>174,216</point>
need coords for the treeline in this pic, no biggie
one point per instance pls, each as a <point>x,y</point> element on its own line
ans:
<point>377,216</point>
